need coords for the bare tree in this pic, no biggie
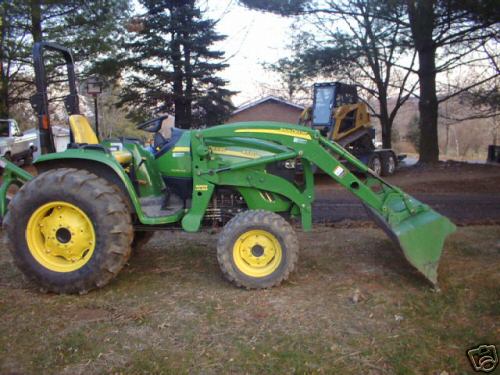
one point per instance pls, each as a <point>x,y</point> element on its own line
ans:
<point>444,34</point>
<point>445,38</point>
<point>348,43</point>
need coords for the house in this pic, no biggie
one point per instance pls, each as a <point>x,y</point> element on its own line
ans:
<point>270,108</point>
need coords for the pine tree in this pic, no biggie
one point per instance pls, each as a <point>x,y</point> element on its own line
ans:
<point>13,53</point>
<point>91,28</point>
<point>172,68</point>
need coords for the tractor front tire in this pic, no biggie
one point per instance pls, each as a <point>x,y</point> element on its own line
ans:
<point>257,249</point>
<point>69,231</point>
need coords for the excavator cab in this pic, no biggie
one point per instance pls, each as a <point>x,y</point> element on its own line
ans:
<point>328,98</point>
<point>340,116</point>
<point>323,105</point>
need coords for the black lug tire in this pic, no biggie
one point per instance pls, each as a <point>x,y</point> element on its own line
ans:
<point>372,162</point>
<point>387,169</point>
<point>98,199</point>
<point>141,238</point>
<point>264,220</point>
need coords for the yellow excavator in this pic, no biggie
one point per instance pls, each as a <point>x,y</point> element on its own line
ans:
<point>339,115</point>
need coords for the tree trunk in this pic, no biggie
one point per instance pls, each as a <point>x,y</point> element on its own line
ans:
<point>494,129</point>
<point>385,123</point>
<point>179,102</point>
<point>188,92</point>
<point>36,20</point>
<point>4,75</point>
<point>386,133</point>
<point>447,140</point>
<point>428,108</point>
<point>421,15</point>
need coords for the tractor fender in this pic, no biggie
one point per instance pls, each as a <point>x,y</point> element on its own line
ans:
<point>96,162</point>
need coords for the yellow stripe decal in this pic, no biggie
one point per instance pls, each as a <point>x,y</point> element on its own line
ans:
<point>287,132</point>
<point>181,149</point>
<point>240,154</point>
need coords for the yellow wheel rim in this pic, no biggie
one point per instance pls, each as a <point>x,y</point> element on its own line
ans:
<point>60,236</point>
<point>257,253</point>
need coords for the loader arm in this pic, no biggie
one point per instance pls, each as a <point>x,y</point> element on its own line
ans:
<point>416,228</point>
<point>301,142</point>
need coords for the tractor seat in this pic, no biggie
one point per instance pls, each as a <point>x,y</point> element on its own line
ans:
<point>83,133</point>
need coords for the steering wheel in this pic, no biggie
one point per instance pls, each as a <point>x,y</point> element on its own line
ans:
<point>152,126</point>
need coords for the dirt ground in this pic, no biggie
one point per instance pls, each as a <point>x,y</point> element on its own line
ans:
<point>353,306</point>
<point>443,178</point>
<point>469,194</point>
<point>448,177</point>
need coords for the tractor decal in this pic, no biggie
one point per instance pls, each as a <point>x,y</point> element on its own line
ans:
<point>181,149</point>
<point>247,154</point>
<point>287,132</point>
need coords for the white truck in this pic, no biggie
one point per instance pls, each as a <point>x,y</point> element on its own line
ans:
<point>16,145</point>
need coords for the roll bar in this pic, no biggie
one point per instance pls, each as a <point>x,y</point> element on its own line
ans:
<point>40,102</point>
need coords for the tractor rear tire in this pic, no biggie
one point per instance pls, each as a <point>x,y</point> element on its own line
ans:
<point>69,231</point>
<point>257,249</point>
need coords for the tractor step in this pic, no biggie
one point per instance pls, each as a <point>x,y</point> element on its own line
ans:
<point>163,205</point>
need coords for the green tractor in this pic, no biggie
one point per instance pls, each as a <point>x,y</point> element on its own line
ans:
<point>73,227</point>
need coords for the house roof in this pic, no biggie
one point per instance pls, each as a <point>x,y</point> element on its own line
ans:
<point>263,100</point>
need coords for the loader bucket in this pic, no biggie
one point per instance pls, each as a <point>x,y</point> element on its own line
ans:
<point>420,235</point>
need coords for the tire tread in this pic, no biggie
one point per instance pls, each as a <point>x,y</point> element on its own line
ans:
<point>111,209</point>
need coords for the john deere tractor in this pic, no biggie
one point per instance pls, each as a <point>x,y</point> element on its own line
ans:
<point>73,227</point>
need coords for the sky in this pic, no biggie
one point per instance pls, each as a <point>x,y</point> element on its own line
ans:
<point>253,38</point>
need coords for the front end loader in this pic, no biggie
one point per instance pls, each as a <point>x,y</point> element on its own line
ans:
<point>74,226</point>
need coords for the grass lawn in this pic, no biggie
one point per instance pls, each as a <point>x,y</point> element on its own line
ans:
<point>170,311</point>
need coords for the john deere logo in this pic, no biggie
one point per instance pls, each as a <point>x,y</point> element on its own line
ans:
<point>484,358</point>
<point>282,131</point>
<point>296,133</point>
